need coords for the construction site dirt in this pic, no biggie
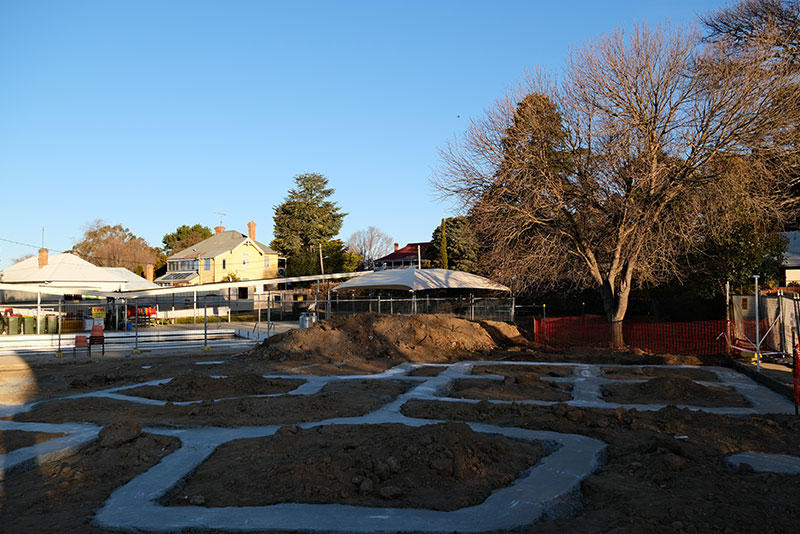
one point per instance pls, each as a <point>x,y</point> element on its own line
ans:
<point>408,416</point>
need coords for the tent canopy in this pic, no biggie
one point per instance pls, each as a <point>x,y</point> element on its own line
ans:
<point>420,280</point>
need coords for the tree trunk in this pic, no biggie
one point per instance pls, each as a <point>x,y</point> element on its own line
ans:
<point>615,304</point>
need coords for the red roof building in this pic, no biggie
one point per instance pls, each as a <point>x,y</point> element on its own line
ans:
<point>403,258</point>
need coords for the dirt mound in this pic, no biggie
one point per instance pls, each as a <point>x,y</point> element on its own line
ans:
<point>642,373</point>
<point>195,386</point>
<point>117,434</point>
<point>441,467</point>
<point>523,387</point>
<point>673,390</point>
<point>370,336</point>
<point>506,335</point>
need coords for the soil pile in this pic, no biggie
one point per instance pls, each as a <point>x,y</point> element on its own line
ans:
<point>665,471</point>
<point>442,467</point>
<point>520,387</point>
<point>346,398</point>
<point>642,373</point>
<point>522,371</point>
<point>196,386</point>
<point>391,338</point>
<point>673,390</point>
<point>506,335</point>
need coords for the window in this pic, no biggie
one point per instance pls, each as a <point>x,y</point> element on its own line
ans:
<point>245,257</point>
<point>242,293</point>
<point>207,265</point>
<point>224,264</point>
<point>266,261</point>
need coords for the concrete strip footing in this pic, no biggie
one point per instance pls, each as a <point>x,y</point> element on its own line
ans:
<point>766,463</point>
<point>549,489</point>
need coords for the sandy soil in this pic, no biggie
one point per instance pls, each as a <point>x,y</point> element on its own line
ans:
<point>440,467</point>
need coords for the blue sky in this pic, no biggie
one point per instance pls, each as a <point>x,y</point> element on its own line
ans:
<point>153,114</point>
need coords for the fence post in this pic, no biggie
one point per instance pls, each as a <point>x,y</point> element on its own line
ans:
<point>781,327</point>
<point>136,318</point>
<point>758,333</point>
<point>205,322</point>
<point>379,303</point>
<point>59,354</point>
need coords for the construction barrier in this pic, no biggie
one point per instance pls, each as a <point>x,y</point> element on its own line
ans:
<point>697,337</point>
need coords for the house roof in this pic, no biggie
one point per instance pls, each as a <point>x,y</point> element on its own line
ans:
<point>134,281</point>
<point>60,268</point>
<point>217,244</point>
<point>408,252</point>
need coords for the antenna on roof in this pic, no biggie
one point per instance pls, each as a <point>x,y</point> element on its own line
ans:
<point>221,215</point>
<point>42,236</point>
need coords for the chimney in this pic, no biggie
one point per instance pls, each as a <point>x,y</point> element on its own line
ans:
<point>148,272</point>
<point>42,257</point>
<point>219,229</point>
<point>396,247</point>
<point>251,230</point>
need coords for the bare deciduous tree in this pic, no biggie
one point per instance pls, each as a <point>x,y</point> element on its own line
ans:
<point>370,244</point>
<point>606,178</point>
<point>114,246</point>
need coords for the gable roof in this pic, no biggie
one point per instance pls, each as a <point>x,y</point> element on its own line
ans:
<point>217,244</point>
<point>408,252</point>
<point>60,268</point>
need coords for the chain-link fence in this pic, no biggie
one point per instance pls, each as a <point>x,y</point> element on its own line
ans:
<point>196,309</point>
<point>777,325</point>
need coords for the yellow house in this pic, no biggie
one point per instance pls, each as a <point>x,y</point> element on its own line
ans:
<point>225,255</point>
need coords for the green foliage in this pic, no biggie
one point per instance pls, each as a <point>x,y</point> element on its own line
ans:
<point>736,255</point>
<point>336,258</point>
<point>443,245</point>
<point>184,237</point>
<point>461,252</point>
<point>306,217</point>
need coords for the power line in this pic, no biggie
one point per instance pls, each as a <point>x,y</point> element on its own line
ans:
<point>130,262</point>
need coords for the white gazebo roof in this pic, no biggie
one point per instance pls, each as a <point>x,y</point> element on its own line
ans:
<point>63,270</point>
<point>421,280</point>
<point>132,280</point>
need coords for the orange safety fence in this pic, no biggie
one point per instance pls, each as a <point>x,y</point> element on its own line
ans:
<point>696,337</point>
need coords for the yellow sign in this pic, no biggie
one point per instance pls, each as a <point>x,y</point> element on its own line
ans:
<point>98,312</point>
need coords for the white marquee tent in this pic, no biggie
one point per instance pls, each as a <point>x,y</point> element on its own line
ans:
<point>421,280</point>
